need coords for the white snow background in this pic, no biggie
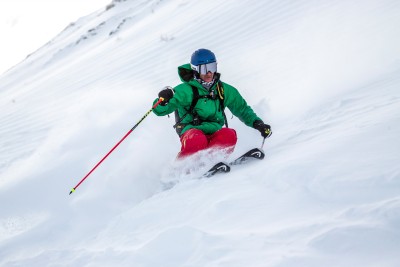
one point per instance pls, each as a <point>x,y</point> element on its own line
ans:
<point>26,25</point>
<point>324,74</point>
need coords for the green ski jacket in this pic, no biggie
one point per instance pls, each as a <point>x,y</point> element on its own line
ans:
<point>208,110</point>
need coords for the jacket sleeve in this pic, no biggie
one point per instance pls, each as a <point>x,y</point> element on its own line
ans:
<point>238,106</point>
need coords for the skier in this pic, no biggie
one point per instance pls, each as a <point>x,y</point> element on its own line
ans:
<point>199,102</point>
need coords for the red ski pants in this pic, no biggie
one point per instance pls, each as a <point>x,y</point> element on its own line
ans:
<point>195,140</point>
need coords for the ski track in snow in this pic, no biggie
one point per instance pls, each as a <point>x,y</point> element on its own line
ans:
<point>324,75</point>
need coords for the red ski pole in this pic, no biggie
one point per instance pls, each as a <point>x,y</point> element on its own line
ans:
<point>120,141</point>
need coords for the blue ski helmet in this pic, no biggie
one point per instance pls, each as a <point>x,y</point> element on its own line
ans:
<point>203,61</point>
<point>202,56</point>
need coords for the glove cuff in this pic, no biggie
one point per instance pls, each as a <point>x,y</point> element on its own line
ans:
<point>257,123</point>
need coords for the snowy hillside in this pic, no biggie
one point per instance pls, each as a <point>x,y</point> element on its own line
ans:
<point>324,74</point>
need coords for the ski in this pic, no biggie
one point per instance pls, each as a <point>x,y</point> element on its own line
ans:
<point>222,167</point>
<point>254,153</point>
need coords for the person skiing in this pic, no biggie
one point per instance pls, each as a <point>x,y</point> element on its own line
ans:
<point>199,103</point>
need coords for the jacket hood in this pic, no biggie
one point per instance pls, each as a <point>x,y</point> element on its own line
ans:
<point>185,73</point>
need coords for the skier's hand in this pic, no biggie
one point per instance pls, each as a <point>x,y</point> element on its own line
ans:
<point>166,93</point>
<point>264,129</point>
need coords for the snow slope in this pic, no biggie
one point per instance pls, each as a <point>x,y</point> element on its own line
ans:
<point>324,74</point>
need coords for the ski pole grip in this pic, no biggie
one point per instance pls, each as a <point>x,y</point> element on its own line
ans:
<point>161,99</point>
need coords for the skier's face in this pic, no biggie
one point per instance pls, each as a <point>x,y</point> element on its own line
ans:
<point>207,77</point>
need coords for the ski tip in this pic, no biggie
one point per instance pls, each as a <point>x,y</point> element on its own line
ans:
<point>220,167</point>
<point>73,190</point>
<point>256,153</point>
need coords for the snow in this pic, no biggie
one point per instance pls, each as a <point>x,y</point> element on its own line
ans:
<point>324,74</point>
<point>26,25</point>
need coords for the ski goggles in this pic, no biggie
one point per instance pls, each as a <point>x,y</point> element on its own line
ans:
<point>205,68</point>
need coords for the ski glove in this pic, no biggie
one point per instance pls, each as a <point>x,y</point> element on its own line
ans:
<point>166,93</point>
<point>264,129</point>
